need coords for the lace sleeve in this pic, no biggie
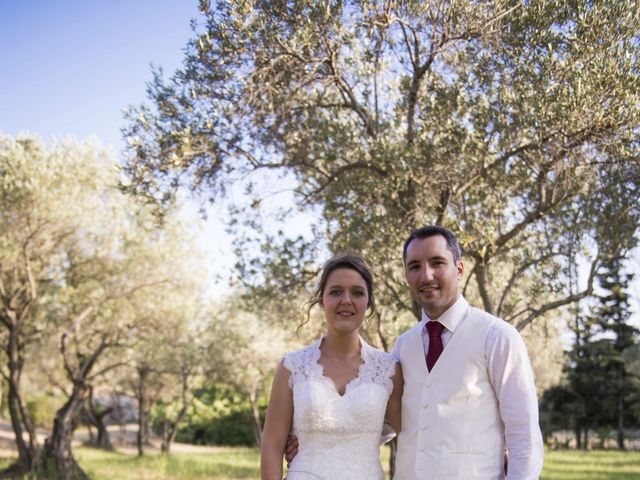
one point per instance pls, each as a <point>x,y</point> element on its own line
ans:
<point>302,364</point>
<point>391,366</point>
<point>379,367</point>
<point>293,362</point>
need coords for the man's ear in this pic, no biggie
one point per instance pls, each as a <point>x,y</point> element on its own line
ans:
<point>460,268</point>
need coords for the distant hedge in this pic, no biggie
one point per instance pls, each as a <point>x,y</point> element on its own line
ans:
<point>219,416</point>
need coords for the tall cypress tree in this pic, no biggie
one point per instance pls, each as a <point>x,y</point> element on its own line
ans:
<point>612,316</point>
<point>598,384</point>
<point>588,374</point>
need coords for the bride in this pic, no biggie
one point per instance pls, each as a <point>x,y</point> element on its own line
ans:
<point>334,394</point>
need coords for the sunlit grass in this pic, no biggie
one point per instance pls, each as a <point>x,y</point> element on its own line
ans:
<point>224,464</point>
<point>243,463</point>
<point>5,462</point>
<point>593,465</point>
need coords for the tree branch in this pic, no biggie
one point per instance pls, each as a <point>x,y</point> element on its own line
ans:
<point>537,312</point>
<point>347,92</point>
<point>516,274</point>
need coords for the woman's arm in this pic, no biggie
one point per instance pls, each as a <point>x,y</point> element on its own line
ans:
<point>394,405</point>
<point>276,426</point>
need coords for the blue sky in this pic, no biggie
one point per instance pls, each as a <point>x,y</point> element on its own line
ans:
<point>69,67</point>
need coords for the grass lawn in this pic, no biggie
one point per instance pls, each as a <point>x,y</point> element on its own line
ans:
<point>224,464</point>
<point>240,463</point>
<point>593,465</point>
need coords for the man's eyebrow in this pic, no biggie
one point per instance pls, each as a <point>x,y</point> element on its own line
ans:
<point>430,259</point>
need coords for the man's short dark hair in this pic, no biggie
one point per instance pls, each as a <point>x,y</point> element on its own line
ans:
<point>431,231</point>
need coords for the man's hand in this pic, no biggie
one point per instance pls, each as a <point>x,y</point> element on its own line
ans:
<point>291,448</point>
<point>506,461</point>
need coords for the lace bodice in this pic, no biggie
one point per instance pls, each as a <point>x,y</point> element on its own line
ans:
<point>338,435</point>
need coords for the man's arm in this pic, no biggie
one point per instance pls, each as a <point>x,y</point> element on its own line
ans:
<point>291,448</point>
<point>512,379</point>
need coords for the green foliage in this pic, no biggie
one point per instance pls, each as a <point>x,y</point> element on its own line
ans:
<point>219,415</point>
<point>600,393</point>
<point>591,379</point>
<point>513,123</point>
<point>42,409</point>
<point>557,411</point>
<point>631,357</point>
<point>233,429</point>
<point>86,274</point>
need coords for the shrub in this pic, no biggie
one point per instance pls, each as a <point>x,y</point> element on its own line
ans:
<point>219,415</point>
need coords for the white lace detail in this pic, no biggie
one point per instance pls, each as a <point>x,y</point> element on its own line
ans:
<point>303,364</point>
<point>378,367</point>
<point>338,435</point>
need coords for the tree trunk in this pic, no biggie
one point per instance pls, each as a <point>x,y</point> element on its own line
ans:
<point>15,309</point>
<point>147,426</point>
<point>58,457</point>
<point>620,424</point>
<point>92,440</point>
<point>483,285</point>
<point>103,441</point>
<point>94,417</point>
<point>142,437</point>
<point>28,452</point>
<point>170,429</point>
<point>167,433</point>
<point>25,454</point>
<point>255,414</point>
<point>585,442</point>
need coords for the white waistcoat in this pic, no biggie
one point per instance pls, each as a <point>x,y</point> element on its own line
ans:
<point>451,427</point>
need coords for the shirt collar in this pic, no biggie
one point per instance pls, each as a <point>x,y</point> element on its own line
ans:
<point>451,317</point>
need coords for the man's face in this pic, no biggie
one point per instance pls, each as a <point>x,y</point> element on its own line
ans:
<point>432,275</point>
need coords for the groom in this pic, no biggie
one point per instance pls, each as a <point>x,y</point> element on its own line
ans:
<point>468,386</point>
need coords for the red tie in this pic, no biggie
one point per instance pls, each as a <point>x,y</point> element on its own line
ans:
<point>435,342</point>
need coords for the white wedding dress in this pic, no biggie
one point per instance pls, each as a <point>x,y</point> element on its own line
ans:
<point>338,436</point>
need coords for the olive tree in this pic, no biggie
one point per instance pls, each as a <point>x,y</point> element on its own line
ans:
<point>512,123</point>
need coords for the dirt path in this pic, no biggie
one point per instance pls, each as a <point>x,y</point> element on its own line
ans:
<point>123,439</point>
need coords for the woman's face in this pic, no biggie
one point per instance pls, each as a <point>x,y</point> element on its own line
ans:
<point>344,300</point>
